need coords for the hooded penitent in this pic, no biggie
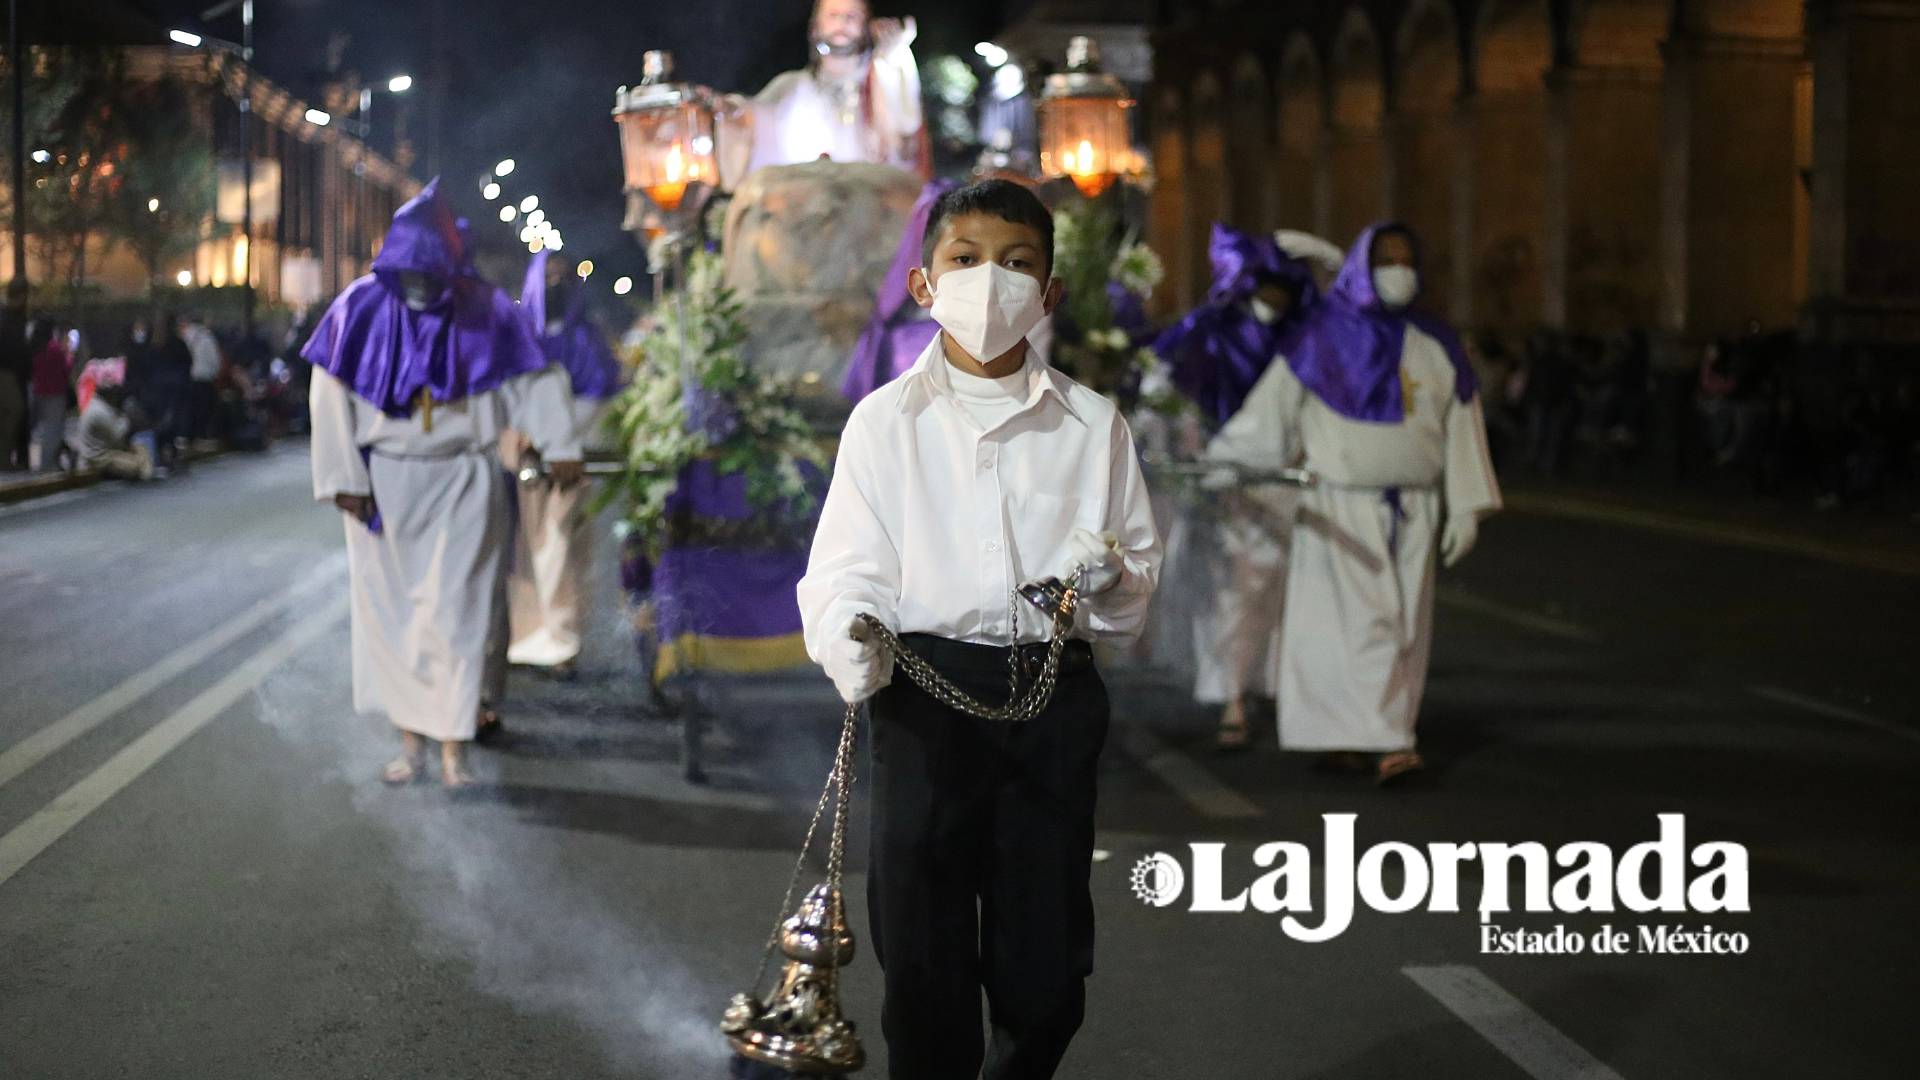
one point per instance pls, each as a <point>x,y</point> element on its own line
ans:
<point>1346,350</point>
<point>575,344</point>
<point>1220,349</point>
<point>899,330</point>
<point>467,341</point>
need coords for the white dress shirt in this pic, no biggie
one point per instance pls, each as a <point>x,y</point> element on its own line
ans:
<point>934,517</point>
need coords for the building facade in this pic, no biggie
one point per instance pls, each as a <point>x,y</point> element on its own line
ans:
<point>1693,166</point>
<point>321,198</point>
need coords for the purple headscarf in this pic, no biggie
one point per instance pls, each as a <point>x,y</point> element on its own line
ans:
<point>1347,349</point>
<point>579,346</point>
<point>469,341</point>
<point>1219,350</point>
<point>899,331</point>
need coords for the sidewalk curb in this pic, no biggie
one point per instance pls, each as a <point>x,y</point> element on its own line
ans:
<point>54,483</point>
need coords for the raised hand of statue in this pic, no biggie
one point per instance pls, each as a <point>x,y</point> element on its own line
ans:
<point>891,35</point>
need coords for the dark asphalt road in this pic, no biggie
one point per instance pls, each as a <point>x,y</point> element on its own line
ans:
<point>199,876</point>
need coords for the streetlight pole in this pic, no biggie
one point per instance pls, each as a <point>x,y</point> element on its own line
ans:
<point>17,291</point>
<point>246,171</point>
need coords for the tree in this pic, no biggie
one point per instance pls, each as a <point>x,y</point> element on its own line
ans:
<point>167,177</point>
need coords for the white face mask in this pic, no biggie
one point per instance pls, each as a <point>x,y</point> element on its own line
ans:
<point>1263,312</point>
<point>987,309</point>
<point>1396,286</point>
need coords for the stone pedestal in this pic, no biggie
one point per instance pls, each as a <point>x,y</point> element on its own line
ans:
<point>806,248</point>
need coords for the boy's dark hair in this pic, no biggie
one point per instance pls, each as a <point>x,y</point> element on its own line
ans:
<point>1003,199</point>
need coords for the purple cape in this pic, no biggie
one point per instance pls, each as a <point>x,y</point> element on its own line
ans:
<point>469,341</point>
<point>579,347</point>
<point>899,331</point>
<point>1347,349</point>
<point>1219,350</point>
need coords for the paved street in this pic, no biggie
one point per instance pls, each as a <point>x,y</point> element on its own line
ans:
<point>200,875</point>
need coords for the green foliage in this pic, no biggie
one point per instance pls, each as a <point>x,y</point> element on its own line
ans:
<point>743,422</point>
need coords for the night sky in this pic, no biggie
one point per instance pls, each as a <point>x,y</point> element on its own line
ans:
<point>535,82</point>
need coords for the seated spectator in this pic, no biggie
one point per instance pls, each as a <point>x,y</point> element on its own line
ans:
<point>106,438</point>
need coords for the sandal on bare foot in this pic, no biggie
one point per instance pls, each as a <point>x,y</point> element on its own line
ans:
<point>1396,766</point>
<point>402,771</point>
<point>1232,736</point>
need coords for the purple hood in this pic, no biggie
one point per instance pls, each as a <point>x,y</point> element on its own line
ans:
<point>1219,350</point>
<point>579,346</point>
<point>1346,350</point>
<point>468,341</point>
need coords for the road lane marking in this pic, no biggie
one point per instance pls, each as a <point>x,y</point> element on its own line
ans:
<point>1201,789</point>
<point>44,743</point>
<point>1541,1050</point>
<point>1462,600</point>
<point>69,808</point>
<point>1708,531</point>
<point>1831,711</point>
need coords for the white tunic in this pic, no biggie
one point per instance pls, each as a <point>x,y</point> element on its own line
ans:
<point>427,589</point>
<point>548,592</point>
<point>1359,600</point>
<point>932,518</point>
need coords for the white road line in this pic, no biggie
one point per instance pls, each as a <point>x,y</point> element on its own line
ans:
<point>42,744</point>
<point>69,808</point>
<point>1834,712</point>
<point>1540,1049</point>
<point>1201,789</point>
<point>1462,600</point>
<point>1732,534</point>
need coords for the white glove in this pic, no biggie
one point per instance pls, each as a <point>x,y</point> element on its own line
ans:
<point>1099,553</point>
<point>1221,478</point>
<point>858,668</point>
<point>1304,245</point>
<point>1458,537</point>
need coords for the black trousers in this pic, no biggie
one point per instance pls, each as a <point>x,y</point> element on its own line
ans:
<point>981,851</point>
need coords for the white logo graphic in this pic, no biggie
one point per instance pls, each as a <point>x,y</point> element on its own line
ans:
<point>1157,879</point>
<point>1666,875</point>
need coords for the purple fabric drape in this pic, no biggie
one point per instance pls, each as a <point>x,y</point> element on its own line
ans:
<point>579,346</point>
<point>1347,349</point>
<point>899,330</point>
<point>468,341</point>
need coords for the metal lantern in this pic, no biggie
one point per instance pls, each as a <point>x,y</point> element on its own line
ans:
<point>666,135</point>
<point>1085,134</point>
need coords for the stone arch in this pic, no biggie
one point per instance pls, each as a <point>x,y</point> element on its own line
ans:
<point>1428,157</point>
<point>1249,147</point>
<point>1512,54</point>
<point>1302,118</point>
<point>1207,195</point>
<point>1356,147</point>
<point>1167,221</point>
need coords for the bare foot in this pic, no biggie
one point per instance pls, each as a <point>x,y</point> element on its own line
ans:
<point>454,773</point>
<point>1233,733</point>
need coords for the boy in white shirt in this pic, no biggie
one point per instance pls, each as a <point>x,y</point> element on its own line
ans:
<point>977,470</point>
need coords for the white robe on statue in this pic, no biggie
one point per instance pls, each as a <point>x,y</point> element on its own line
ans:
<point>428,589</point>
<point>548,590</point>
<point>1358,625</point>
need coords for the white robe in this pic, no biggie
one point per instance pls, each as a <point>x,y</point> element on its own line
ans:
<point>801,116</point>
<point>548,590</point>
<point>428,590</point>
<point>1358,624</point>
